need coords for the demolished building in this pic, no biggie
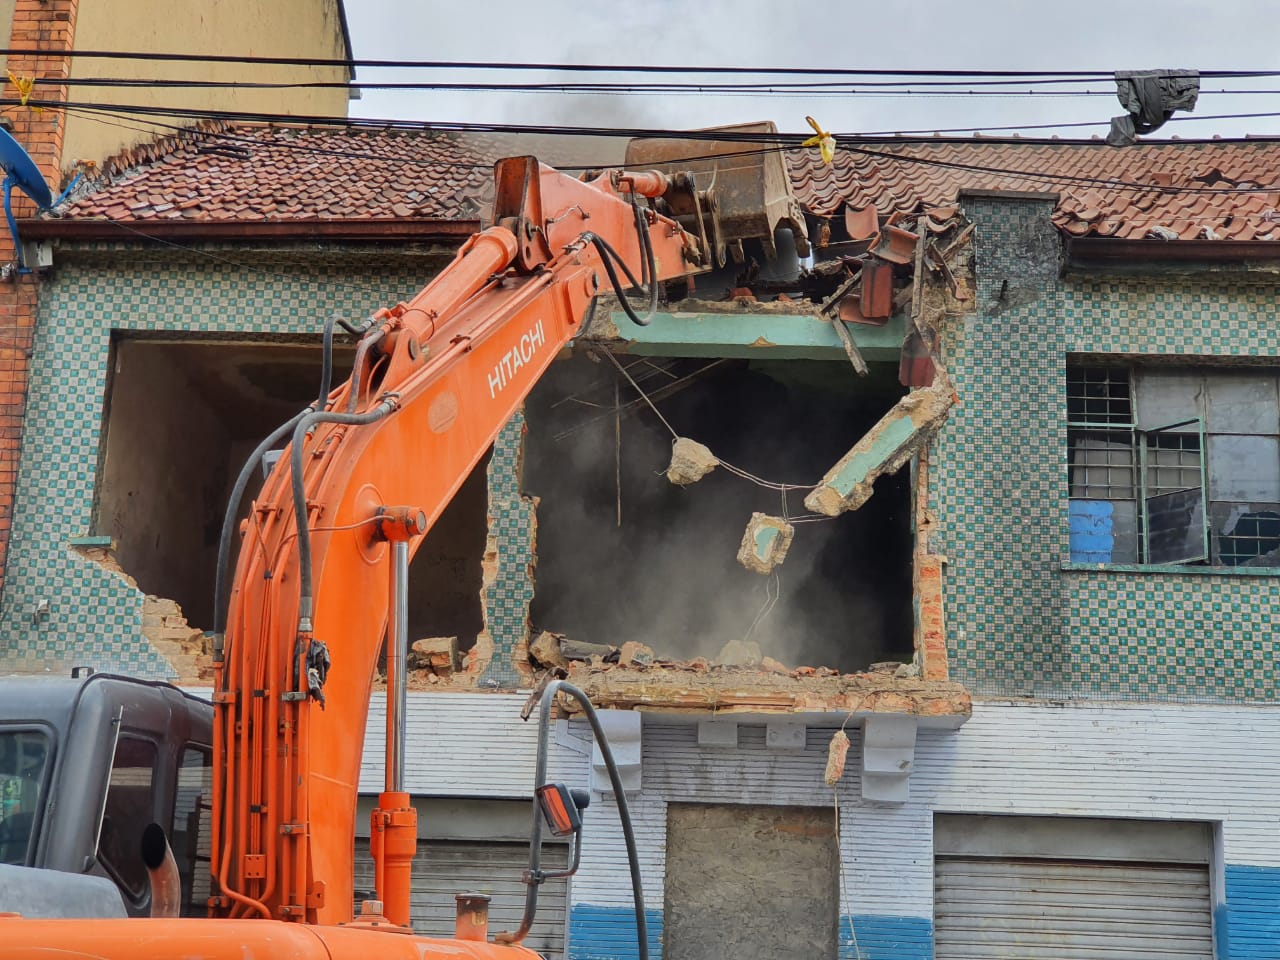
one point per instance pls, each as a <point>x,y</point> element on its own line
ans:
<point>821,491</point>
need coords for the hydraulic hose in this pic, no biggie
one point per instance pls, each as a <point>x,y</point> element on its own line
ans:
<point>233,511</point>
<point>624,816</point>
<point>297,460</point>
<point>246,471</point>
<point>609,257</point>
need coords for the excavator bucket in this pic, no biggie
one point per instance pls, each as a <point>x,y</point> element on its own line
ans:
<point>746,179</point>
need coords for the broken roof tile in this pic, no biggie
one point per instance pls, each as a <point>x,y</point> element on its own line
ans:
<point>1194,184</point>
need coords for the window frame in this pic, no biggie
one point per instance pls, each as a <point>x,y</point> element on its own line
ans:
<point>118,871</point>
<point>42,787</point>
<point>1102,417</point>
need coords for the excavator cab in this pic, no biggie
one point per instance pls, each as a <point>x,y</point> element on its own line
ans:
<point>117,755</point>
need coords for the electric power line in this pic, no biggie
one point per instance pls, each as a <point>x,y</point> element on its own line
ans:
<point>849,146</point>
<point>1038,76</point>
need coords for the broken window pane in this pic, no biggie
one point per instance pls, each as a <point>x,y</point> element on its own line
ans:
<point>1246,534</point>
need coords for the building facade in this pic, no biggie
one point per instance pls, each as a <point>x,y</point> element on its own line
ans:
<point>1045,636</point>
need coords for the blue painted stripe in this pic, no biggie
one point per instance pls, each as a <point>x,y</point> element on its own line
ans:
<point>609,933</point>
<point>1247,926</point>
<point>886,938</point>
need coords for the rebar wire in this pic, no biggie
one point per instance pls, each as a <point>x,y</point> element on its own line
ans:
<point>771,600</point>
<point>844,879</point>
<point>736,471</point>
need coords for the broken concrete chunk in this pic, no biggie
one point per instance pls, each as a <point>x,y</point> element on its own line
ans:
<point>690,462</point>
<point>580,650</point>
<point>912,422</point>
<point>770,665</point>
<point>765,543</point>
<point>635,653</point>
<point>836,755</point>
<point>739,653</point>
<point>545,649</point>
<point>438,654</point>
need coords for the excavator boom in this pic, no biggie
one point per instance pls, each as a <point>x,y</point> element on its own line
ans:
<point>366,475</point>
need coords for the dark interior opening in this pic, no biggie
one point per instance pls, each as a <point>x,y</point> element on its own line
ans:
<point>666,574</point>
<point>181,418</point>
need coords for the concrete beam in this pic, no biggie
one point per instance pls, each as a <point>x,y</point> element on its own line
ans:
<point>894,440</point>
<point>745,335</point>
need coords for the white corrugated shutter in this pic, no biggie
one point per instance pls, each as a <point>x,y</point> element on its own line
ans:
<point>1090,896</point>
<point>444,868</point>
<point>1063,910</point>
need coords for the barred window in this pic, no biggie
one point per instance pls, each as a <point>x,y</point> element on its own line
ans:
<point>1171,465</point>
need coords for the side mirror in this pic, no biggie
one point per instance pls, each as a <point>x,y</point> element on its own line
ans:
<point>561,808</point>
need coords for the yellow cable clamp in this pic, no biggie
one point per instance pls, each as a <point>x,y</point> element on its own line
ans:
<point>824,141</point>
<point>23,85</point>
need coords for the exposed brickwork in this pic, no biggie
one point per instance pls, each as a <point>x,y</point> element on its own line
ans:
<point>931,637</point>
<point>49,25</point>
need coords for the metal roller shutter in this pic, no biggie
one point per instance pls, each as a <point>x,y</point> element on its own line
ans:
<point>444,868</point>
<point>1058,889</point>
<point>1063,910</point>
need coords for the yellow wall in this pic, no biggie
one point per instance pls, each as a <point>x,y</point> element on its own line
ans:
<point>276,28</point>
<point>6,18</point>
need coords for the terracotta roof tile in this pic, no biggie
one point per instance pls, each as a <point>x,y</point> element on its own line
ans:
<point>253,173</point>
<point>913,176</point>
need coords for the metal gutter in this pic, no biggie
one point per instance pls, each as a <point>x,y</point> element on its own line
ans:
<point>359,230</point>
<point>1097,252</point>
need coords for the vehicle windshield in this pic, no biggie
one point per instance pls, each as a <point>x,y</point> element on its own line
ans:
<point>23,756</point>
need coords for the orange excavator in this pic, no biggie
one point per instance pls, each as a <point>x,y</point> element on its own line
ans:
<point>322,571</point>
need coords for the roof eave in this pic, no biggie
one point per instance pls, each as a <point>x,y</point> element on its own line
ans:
<point>367,230</point>
<point>1091,253</point>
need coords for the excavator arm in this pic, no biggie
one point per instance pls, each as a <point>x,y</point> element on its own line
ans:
<point>365,477</point>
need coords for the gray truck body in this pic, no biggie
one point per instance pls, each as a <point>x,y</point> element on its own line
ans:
<point>85,764</point>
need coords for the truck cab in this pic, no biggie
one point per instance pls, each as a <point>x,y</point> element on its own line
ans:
<point>87,762</point>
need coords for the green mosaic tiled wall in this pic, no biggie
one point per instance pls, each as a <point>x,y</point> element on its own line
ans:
<point>508,596</point>
<point>1017,622</point>
<point>94,616</point>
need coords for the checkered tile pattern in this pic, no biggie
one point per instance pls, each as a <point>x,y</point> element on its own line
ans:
<point>95,616</point>
<point>512,521</point>
<point>1017,623</point>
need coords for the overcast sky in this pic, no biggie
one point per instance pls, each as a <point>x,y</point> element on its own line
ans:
<point>1104,35</point>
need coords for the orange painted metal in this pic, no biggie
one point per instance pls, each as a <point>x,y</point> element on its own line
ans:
<point>229,940</point>
<point>455,362</point>
<point>394,836</point>
<point>451,365</point>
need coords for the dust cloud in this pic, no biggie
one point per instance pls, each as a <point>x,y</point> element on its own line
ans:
<point>667,576</point>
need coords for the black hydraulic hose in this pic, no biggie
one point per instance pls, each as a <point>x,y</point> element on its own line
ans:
<point>366,344</point>
<point>608,257</point>
<point>300,431</point>
<point>624,816</point>
<point>233,511</point>
<point>251,464</point>
<point>326,363</point>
